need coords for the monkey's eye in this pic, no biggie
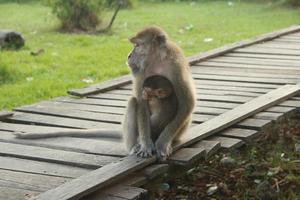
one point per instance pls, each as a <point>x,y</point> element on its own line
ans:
<point>136,45</point>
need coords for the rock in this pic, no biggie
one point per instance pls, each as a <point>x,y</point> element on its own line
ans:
<point>11,40</point>
<point>211,190</point>
<point>297,148</point>
<point>228,162</point>
<point>265,191</point>
<point>165,186</point>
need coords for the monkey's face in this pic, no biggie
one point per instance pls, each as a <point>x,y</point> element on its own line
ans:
<point>138,56</point>
<point>147,45</point>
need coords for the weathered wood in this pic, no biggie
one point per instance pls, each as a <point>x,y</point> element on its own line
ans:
<point>5,114</point>
<point>61,122</point>
<point>103,102</point>
<point>53,169</point>
<point>187,156</point>
<point>102,87</point>
<point>245,43</point>
<point>68,113</point>
<point>211,147</point>
<point>280,81</point>
<point>239,113</point>
<point>241,72</point>
<point>243,134</point>
<point>82,145</point>
<point>11,40</point>
<point>226,142</point>
<point>54,156</point>
<point>7,193</point>
<point>263,56</point>
<point>269,51</point>
<point>28,181</point>
<point>155,170</point>
<point>96,179</point>
<point>237,84</point>
<point>119,192</point>
<point>249,66</point>
<point>258,61</point>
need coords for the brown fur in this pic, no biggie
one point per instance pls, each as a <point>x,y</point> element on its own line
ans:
<point>155,54</point>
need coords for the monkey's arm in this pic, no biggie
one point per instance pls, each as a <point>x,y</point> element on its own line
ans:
<point>71,133</point>
<point>146,146</point>
<point>186,102</point>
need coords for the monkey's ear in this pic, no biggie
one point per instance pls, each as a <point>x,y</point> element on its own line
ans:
<point>134,40</point>
<point>161,40</point>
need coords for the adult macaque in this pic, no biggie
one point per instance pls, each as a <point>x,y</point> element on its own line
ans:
<point>162,102</point>
<point>153,54</point>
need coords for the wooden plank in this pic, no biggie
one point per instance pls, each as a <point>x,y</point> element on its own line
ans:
<point>107,85</point>
<point>187,156</point>
<point>61,121</point>
<point>241,72</point>
<point>257,61</point>
<point>246,79</point>
<point>119,192</point>
<point>5,114</point>
<point>226,142</point>
<point>54,156</point>
<point>37,167</point>
<point>268,51</point>
<point>234,83</point>
<point>279,46</point>
<point>245,43</point>
<point>284,40</point>
<point>211,147</point>
<point>68,113</point>
<point>264,56</point>
<point>243,134</point>
<point>249,66</point>
<point>96,179</point>
<point>103,102</point>
<point>83,107</point>
<point>155,170</point>
<point>7,193</point>
<point>251,123</point>
<point>239,113</point>
<point>291,103</point>
<point>82,145</point>
<point>28,181</point>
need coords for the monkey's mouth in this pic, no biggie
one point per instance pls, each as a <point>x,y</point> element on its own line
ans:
<point>134,68</point>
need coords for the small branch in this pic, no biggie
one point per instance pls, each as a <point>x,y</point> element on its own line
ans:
<point>120,3</point>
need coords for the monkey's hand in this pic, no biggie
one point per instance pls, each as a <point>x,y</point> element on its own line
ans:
<point>143,150</point>
<point>163,149</point>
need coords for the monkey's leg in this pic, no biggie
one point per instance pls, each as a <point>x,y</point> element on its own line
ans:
<point>186,104</point>
<point>130,130</point>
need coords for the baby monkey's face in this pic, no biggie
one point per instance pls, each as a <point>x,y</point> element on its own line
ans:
<point>150,93</point>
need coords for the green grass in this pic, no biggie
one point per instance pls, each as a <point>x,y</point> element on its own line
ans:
<point>69,58</point>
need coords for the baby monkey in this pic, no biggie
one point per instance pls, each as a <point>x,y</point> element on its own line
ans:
<point>162,102</point>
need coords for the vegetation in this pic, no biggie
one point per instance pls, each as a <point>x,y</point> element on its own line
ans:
<point>75,60</point>
<point>78,15</point>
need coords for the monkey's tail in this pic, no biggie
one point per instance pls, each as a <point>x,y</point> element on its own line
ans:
<point>117,134</point>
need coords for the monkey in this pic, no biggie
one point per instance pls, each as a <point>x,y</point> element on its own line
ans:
<point>162,101</point>
<point>153,53</point>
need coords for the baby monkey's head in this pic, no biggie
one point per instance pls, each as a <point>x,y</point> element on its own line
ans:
<point>156,87</point>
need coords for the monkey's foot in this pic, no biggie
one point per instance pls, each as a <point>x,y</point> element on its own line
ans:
<point>163,150</point>
<point>143,151</point>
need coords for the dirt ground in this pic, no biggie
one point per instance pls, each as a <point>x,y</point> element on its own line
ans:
<point>268,168</point>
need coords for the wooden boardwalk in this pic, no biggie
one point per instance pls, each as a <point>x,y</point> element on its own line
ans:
<point>226,79</point>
